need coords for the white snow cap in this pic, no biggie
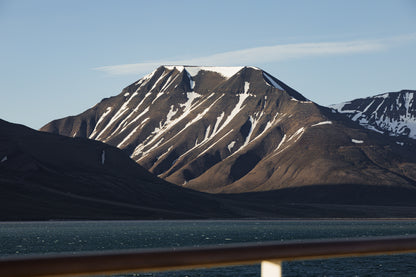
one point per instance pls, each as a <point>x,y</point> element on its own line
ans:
<point>225,71</point>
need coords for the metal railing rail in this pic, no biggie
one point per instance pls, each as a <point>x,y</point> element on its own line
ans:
<point>270,254</point>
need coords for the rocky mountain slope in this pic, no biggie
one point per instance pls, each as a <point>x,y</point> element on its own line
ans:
<point>239,130</point>
<point>391,113</point>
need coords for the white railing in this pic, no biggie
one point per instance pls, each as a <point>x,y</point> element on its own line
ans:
<point>269,254</point>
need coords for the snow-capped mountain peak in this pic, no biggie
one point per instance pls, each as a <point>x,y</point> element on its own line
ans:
<point>392,113</point>
<point>227,129</point>
<point>225,71</point>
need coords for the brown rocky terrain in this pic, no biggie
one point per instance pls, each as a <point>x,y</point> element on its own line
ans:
<point>239,130</point>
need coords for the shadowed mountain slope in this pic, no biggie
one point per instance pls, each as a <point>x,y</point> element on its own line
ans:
<point>46,176</point>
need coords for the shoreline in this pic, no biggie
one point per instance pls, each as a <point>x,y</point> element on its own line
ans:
<point>207,220</point>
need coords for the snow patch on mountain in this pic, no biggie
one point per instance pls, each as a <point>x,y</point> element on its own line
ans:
<point>172,112</point>
<point>253,123</point>
<point>231,145</point>
<point>200,115</point>
<point>164,154</point>
<point>145,111</point>
<point>165,126</point>
<point>168,83</point>
<point>281,142</point>
<point>191,81</point>
<point>191,97</point>
<point>217,141</point>
<point>158,80</point>
<point>127,138</point>
<point>297,134</point>
<point>146,78</point>
<point>322,123</point>
<point>271,81</point>
<point>284,143</point>
<point>94,132</point>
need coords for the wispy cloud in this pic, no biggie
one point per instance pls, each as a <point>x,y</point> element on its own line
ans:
<point>259,55</point>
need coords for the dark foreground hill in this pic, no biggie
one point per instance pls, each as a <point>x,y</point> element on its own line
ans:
<point>238,130</point>
<point>45,176</point>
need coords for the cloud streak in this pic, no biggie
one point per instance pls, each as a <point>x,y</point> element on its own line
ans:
<point>265,54</point>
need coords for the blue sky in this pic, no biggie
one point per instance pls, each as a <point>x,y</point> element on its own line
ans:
<point>59,58</point>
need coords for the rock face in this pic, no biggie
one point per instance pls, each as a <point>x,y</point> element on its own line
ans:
<point>237,130</point>
<point>391,113</point>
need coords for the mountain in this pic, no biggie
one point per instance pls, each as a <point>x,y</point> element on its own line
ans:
<point>50,177</point>
<point>47,176</point>
<point>238,130</point>
<point>392,113</point>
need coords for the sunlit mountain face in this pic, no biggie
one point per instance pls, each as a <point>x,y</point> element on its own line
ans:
<point>239,129</point>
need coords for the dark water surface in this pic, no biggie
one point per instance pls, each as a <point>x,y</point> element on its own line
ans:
<point>50,237</point>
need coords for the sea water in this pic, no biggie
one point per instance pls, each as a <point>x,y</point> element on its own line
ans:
<point>23,238</point>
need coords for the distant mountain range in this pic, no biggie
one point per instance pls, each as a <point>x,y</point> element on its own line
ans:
<point>239,130</point>
<point>391,113</point>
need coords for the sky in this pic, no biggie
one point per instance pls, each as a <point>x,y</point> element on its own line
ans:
<point>59,58</point>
